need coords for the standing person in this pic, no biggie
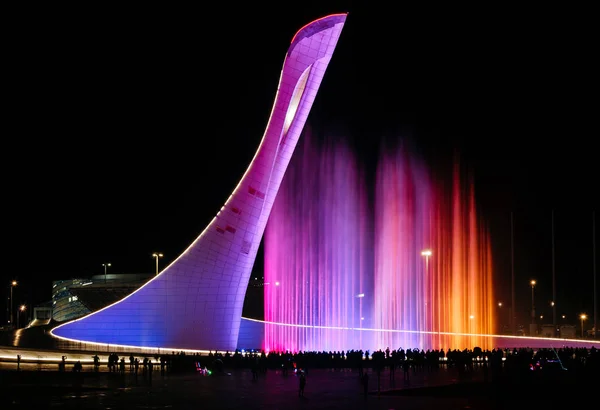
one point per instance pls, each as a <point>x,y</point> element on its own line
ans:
<point>406,370</point>
<point>365,383</point>
<point>302,383</point>
<point>96,362</point>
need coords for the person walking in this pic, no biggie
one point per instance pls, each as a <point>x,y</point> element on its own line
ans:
<point>365,383</point>
<point>302,383</point>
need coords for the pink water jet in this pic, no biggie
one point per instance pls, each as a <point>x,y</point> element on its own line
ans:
<point>406,272</point>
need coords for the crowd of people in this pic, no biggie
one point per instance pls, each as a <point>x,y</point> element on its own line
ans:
<point>492,362</point>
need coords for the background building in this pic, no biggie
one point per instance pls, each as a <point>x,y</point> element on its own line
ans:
<point>73,298</point>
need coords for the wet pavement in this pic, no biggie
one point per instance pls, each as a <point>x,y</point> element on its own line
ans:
<point>38,385</point>
<point>325,389</point>
<point>236,390</point>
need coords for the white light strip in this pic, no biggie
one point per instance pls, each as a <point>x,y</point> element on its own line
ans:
<point>423,332</point>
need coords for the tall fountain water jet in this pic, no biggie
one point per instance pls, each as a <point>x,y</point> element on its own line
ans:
<point>315,251</point>
<point>441,298</point>
<point>415,272</point>
<point>403,215</point>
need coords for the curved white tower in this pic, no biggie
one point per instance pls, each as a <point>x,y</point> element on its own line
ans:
<point>196,302</point>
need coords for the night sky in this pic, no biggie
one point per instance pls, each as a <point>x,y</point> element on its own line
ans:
<point>126,129</point>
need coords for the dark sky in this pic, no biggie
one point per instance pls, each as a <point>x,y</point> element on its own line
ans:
<point>127,128</point>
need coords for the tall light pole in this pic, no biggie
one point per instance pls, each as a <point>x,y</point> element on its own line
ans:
<point>360,297</point>
<point>513,322</point>
<point>553,276</point>
<point>583,316</point>
<point>106,266</point>
<point>426,253</point>
<point>428,315</point>
<point>532,283</point>
<point>553,305</point>
<point>12,285</point>
<point>21,310</point>
<point>594,272</point>
<point>501,326</point>
<point>157,255</point>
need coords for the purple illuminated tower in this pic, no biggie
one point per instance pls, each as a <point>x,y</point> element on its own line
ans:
<point>196,302</point>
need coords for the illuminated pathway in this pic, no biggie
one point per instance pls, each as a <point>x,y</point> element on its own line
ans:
<point>493,341</point>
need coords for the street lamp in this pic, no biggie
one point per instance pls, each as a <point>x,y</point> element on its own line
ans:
<point>500,320</point>
<point>426,253</point>
<point>21,310</point>
<point>360,297</point>
<point>157,255</point>
<point>583,317</point>
<point>12,285</point>
<point>428,320</point>
<point>532,283</point>
<point>106,265</point>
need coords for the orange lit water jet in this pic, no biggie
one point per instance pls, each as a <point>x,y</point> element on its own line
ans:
<point>339,276</point>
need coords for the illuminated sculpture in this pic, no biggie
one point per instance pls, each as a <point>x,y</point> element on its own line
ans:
<point>196,302</point>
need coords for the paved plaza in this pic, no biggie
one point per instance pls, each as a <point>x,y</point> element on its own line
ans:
<point>44,387</point>
<point>325,389</point>
<point>38,383</point>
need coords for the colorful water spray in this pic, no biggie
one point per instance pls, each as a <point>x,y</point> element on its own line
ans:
<point>413,271</point>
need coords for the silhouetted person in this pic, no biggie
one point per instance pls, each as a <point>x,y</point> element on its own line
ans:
<point>302,384</point>
<point>96,363</point>
<point>254,369</point>
<point>360,365</point>
<point>365,383</point>
<point>406,370</point>
<point>485,371</point>
<point>18,362</point>
<point>77,367</point>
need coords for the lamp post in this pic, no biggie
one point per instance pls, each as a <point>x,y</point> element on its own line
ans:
<point>532,283</point>
<point>501,326</point>
<point>12,285</point>
<point>106,265</point>
<point>426,253</point>
<point>157,255</point>
<point>360,297</point>
<point>21,310</point>
<point>583,316</point>
<point>554,322</point>
<point>428,314</point>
